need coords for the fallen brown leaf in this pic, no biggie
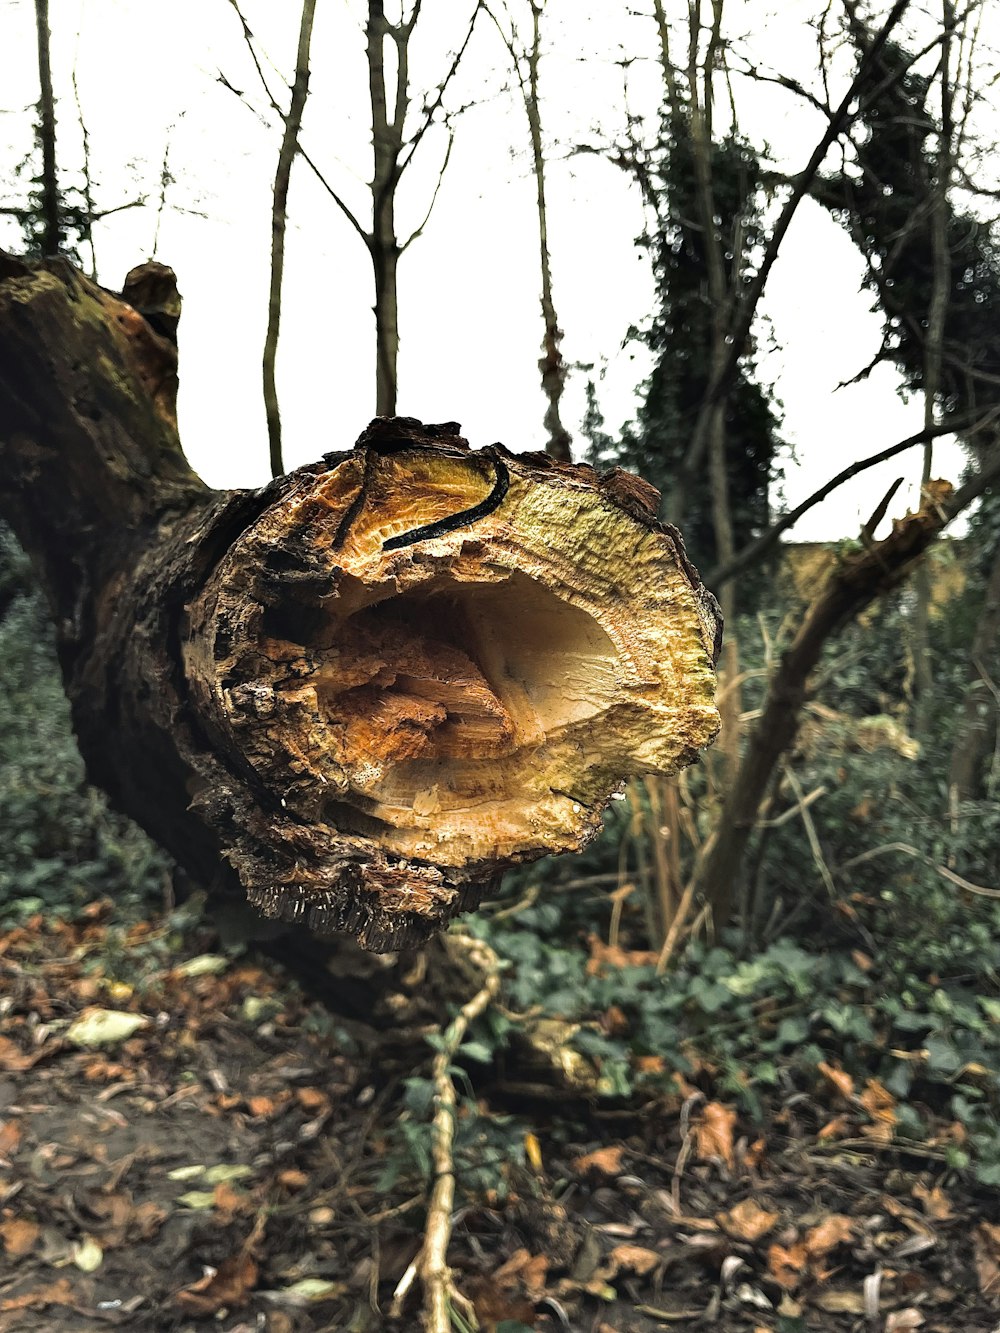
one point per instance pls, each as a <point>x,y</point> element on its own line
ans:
<point>19,1236</point>
<point>878,1101</point>
<point>228,1202</point>
<point>834,1128</point>
<point>603,956</point>
<point>293,1179</point>
<point>755,1154</point>
<point>986,1242</point>
<point>840,1080</point>
<point>311,1099</point>
<point>635,1259</point>
<point>650,1064</point>
<point>56,1293</point>
<point>787,1264</point>
<point>714,1132</point>
<point>832,1231</point>
<point>525,1269</point>
<point>615,1021</point>
<point>228,1285</point>
<point>603,1162</point>
<point>122,1221</point>
<point>934,1200</point>
<point>12,1058</point>
<point>903,1319</point>
<point>10,1136</point>
<point>747,1221</point>
<point>493,1306</point>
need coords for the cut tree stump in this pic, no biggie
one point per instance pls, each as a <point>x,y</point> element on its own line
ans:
<point>369,687</point>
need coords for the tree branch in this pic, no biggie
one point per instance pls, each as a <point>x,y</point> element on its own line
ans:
<point>756,550</point>
<point>431,109</point>
<point>430,207</point>
<point>306,158</point>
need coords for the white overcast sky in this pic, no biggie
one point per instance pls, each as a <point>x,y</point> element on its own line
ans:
<point>470,325</point>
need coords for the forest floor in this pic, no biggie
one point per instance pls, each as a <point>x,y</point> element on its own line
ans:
<point>220,1157</point>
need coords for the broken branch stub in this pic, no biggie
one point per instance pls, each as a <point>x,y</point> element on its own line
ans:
<point>428,663</point>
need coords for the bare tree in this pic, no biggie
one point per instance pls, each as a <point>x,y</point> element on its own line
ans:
<point>279,217</point>
<point>398,130</point>
<point>525,58</point>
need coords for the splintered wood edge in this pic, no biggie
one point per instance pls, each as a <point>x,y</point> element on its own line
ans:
<point>430,663</point>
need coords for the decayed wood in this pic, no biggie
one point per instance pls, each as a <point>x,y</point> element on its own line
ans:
<point>368,687</point>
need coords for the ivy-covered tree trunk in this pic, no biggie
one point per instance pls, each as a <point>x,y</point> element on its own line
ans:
<point>367,688</point>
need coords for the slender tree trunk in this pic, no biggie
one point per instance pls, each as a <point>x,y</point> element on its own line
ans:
<point>551,364</point>
<point>937,311</point>
<point>385,262</point>
<point>387,145</point>
<point>52,232</point>
<point>700,116</point>
<point>279,218</point>
<point>977,724</point>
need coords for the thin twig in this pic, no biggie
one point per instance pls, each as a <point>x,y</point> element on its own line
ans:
<point>431,1263</point>
<point>905,849</point>
<point>811,834</point>
<point>673,934</point>
<point>797,808</point>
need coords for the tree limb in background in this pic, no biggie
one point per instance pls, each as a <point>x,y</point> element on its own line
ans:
<point>279,218</point>
<point>393,150</point>
<point>934,269</point>
<point>89,205</point>
<point>758,549</point>
<point>977,722</point>
<point>853,584</point>
<point>979,890</point>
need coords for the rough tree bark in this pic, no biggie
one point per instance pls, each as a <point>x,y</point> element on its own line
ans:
<point>368,687</point>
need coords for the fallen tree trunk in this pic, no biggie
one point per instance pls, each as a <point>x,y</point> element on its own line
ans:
<point>367,688</point>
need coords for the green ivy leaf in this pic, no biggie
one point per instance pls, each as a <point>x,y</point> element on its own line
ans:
<point>478,1051</point>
